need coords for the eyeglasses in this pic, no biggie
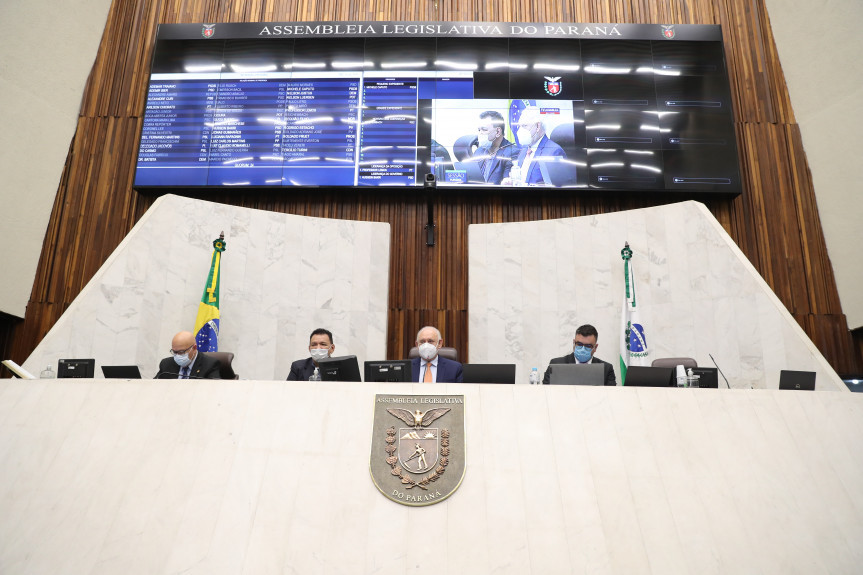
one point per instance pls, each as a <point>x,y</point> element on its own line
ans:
<point>584,345</point>
<point>182,351</point>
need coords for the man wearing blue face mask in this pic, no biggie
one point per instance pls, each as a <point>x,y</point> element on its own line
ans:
<point>584,348</point>
<point>321,346</point>
<point>185,361</point>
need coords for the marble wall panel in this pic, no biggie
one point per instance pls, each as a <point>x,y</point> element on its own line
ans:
<point>281,277</point>
<point>531,284</point>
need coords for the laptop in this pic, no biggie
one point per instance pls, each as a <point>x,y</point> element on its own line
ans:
<point>708,376</point>
<point>789,379</point>
<point>488,372</point>
<point>641,376</point>
<point>121,372</point>
<point>577,374</point>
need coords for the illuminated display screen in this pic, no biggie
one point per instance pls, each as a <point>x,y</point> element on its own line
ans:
<point>607,107</point>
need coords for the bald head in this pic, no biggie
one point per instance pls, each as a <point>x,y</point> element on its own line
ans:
<point>183,341</point>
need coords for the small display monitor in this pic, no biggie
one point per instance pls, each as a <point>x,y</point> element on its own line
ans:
<point>344,368</point>
<point>707,376</point>
<point>789,379</point>
<point>76,368</point>
<point>385,371</point>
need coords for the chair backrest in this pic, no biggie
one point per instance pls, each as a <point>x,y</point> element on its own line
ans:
<point>225,358</point>
<point>563,136</point>
<point>463,147</point>
<point>447,352</point>
<point>686,362</point>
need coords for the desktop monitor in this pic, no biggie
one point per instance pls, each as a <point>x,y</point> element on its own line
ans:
<point>385,371</point>
<point>488,373</point>
<point>344,368</point>
<point>76,368</point>
<point>707,376</point>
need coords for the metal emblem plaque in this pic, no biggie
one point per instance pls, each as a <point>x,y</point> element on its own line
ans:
<point>418,443</point>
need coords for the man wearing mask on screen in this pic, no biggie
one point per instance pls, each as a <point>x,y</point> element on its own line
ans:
<point>583,350</point>
<point>320,346</point>
<point>536,149</point>
<point>495,154</point>
<point>185,361</point>
<point>430,367</point>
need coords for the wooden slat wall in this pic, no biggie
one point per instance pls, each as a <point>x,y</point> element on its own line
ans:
<point>775,222</point>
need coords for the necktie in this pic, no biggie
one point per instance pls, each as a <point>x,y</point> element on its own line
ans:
<point>527,167</point>
<point>428,376</point>
<point>184,373</point>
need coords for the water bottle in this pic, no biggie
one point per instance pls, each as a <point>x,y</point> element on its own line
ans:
<point>534,376</point>
<point>47,373</point>
<point>315,376</point>
<point>515,175</point>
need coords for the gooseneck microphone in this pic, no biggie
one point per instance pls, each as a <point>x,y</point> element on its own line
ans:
<point>720,371</point>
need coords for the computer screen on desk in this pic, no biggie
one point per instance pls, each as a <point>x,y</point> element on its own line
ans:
<point>707,376</point>
<point>398,370</point>
<point>76,368</point>
<point>340,368</point>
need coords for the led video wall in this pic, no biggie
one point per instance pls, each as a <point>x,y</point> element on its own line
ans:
<point>589,106</point>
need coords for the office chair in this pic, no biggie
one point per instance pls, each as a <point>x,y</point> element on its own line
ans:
<point>225,358</point>
<point>445,352</point>
<point>686,362</point>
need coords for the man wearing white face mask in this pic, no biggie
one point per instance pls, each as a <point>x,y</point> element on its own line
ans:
<point>430,367</point>
<point>495,154</point>
<point>320,346</point>
<point>536,147</point>
<point>185,361</point>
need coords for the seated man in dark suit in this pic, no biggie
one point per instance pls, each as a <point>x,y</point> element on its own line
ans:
<point>320,346</point>
<point>584,346</point>
<point>434,368</point>
<point>536,149</point>
<point>186,362</point>
<point>494,154</point>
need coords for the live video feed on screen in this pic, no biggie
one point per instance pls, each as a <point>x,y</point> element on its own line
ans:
<point>507,142</point>
<point>476,112</point>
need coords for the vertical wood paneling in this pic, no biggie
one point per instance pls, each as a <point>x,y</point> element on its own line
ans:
<point>775,222</point>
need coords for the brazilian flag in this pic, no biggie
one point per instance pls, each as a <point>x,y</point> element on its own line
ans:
<point>207,323</point>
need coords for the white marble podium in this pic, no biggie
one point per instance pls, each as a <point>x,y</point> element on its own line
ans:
<point>262,477</point>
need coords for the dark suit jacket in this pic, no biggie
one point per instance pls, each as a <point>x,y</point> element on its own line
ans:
<point>302,369</point>
<point>204,368</point>
<point>569,358</point>
<point>448,371</point>
<point>501,162</point>
<point>546,148</point>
